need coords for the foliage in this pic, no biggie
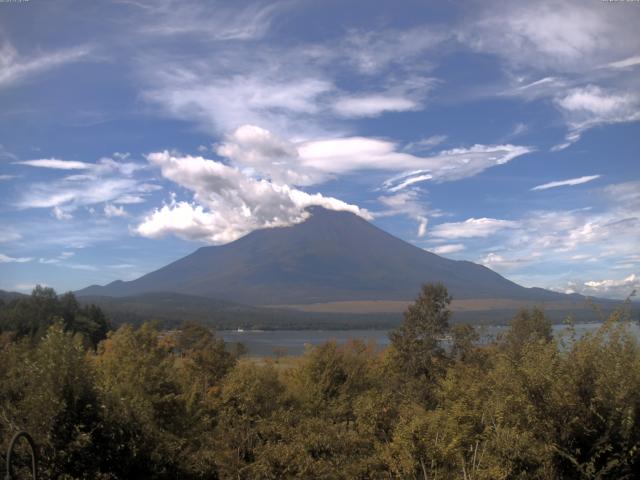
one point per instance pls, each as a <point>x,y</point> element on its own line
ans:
<point>434,404</point>
<point>31,316</point>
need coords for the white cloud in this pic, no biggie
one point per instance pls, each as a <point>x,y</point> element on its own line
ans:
<point>61,214</point>
<point>549,248</point>
<point>406,179</point>
<point>569,182</point>
<point>425,143</point>
<point>626,63</point>
<point>626,195</point>
<point>224,102</point>
<point>594,101</point>
<point>619,288</point>
<point>215,21</point>
<point>72,194</point>
<point>56,260</point>
<point>7,259</point>
<point>7,177</point>
<point>111,210</point>
<point>56,163</point>
<point>592,106</point>
<point>14,68</point>
<point>359,153</point>
<point>472,227</point>
<point>372,105</point>
<point>555,51</point>
<point>372,52</point>
<point>448,248</point>
<point>570,36</point>
<point>289,89</point>
<point>422,227</point>
<point>103,166</point>
<point>107,180</point>
<point>186,220</point>
<point>458,163</point>
<point>408,203</point>
<point>518,129</point>
<point>129,199</point>
<point>560,233</point>
<point>495,261</point>
<point>308,162</point>
<point>542,87</point>
<point>228,203</point>
<point>271,156</point>
<point>122,266</point>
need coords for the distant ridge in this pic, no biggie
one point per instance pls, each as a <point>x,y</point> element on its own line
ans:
<point>332,256</point>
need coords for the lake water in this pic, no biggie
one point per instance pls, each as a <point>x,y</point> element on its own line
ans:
<point>293,342</point>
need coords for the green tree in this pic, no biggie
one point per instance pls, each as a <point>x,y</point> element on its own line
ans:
<point>49,391</point>
<point>143,404</point>
<point>32,316</point>
<point>417,342</point>
<point>525,328</point>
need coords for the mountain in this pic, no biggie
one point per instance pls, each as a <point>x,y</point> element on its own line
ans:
<point>332,256</point>
<point>8,296</point>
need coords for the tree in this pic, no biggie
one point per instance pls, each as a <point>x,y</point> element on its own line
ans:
<point>463,337</point>
<point>32,316</point>
<point>204,360</point>
<point>417,341</point>
<point>526,327</point>
<point>143,404</point>
<point>48,390</point>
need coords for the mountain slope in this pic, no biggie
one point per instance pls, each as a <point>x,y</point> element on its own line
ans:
<point>332,256</point>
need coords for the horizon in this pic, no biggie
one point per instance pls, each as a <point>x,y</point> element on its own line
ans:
<point>133,133</point>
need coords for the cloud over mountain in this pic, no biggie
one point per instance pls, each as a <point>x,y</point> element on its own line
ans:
<point>227,203</point>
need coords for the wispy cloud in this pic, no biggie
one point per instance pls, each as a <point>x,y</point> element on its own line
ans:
<point>549,248</point>
<point>7,259</point>
<point>448,248</point>
<point>426,143</point>
<point>215,21</point>
<point>110,180</point>
<point>568,182</point>
<point>608,288</point>
<point>592,106</point>
<point>315,161</point>
<point>15,68</point>
<point>472,227</point>
<point>374,51</point>
<point>496,261</point>
<point>57,259</point>
<point>111,210</point>
<point>372,105</point>
<point>55,163</point>
<point>626,63</point>
<point>572,36</point>
<point>410,204</point>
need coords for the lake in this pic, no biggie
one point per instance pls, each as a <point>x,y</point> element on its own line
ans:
<point>292,342</point>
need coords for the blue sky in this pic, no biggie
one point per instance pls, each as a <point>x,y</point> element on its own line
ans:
<point>505,133</point>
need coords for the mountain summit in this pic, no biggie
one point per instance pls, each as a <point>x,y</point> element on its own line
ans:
<point>332,256</point>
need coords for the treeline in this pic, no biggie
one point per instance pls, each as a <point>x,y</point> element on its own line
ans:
<point>31,316</point>
<point>147,404</point>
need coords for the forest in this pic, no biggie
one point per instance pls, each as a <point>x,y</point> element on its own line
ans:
<point>140,402</point>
